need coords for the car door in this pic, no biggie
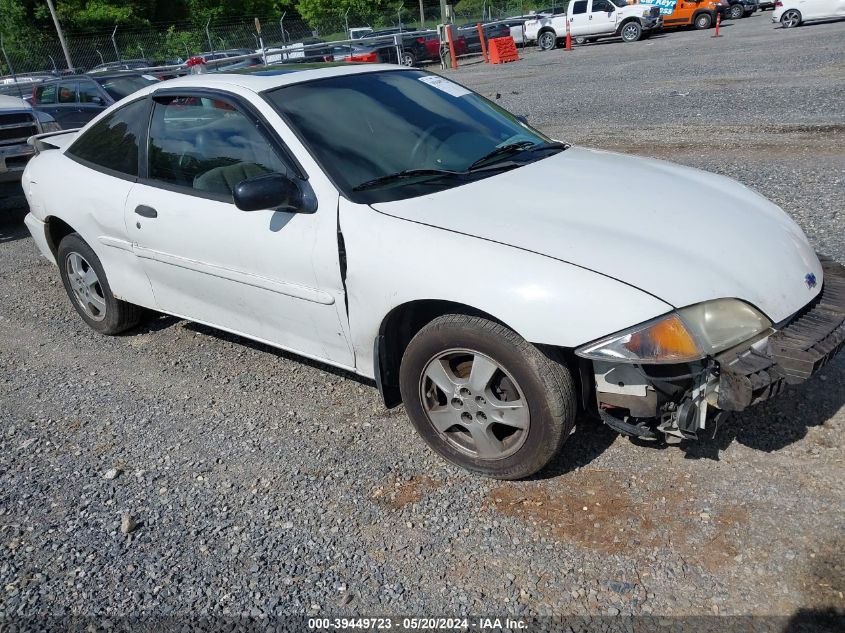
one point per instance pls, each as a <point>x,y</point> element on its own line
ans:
<point>601,18</point>
<point>579,23</point>
<point>92,100</point>
<point>45,98</point>
<point>252,273</point>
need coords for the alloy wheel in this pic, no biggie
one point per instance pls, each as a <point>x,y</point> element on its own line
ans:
<point>790,19</point>
<point>474,404</point>
<point>736,12</point>
<point>86,286</point>
<point>630,33</point>
<point>547,41</point>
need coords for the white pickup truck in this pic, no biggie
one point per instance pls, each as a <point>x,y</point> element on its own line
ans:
<point>590,20</point>
<point>18,121</point>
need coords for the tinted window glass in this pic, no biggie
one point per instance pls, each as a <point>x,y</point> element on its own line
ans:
<point>119,87</point>
<point>88,93</point>
<point>67,93</point>
<point>370,126</point>
<point>112,143</point>
<point>579,7</point>
<point>45,95</point>
<point>207,145</point>
<point>602,5</point>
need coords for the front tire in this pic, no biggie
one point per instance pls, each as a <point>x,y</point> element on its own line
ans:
<point>88,289</point>
<point>547,40</point>
<point>484,398</point>
<point>631,31</point>
<point>790,19</point>
<point>736,12</point>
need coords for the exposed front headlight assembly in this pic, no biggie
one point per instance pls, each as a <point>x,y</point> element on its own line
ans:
<point>686,335</point>
<point>51,126</point>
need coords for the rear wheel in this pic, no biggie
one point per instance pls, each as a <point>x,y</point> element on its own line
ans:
<point>736,12</point>
<point>547,40</point>
<point>790,19</point>
<point>88,288</point>
<point>702,21</point>
<point>484,398</point>
<point>631,32</point>
<point>581,40</point>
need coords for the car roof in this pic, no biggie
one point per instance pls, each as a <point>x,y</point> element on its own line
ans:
<point>262,78</point>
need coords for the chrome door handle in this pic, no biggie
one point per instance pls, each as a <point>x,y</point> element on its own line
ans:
<point>145,211</point>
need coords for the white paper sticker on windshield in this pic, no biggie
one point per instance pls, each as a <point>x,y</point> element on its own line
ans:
<point>445,85</point>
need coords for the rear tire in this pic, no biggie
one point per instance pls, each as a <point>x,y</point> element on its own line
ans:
<point>790,19</point>
<point>547,40</point>
<point>702,21</point>
<point>484,398</point>
<point>736,12</point>
<point>631,31</point>
<point>581,40</point>
<point>88,289</point>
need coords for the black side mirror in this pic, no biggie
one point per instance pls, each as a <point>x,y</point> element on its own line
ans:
<point>275,191</point>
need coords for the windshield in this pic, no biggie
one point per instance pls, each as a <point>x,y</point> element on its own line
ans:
<point>119,87</point>
<point>390,135</point>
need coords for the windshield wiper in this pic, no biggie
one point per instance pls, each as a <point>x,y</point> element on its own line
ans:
<point>515,148</point>
<point>405,174</point>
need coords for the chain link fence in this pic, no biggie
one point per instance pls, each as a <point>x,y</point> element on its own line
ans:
<point>174,43</point>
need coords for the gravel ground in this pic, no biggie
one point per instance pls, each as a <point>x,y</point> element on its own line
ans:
<point>254,483</point>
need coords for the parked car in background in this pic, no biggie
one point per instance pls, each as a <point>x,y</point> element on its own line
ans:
<point>323,212</point>
<point>19,121</point>
<point>740,9</point>
<point>699,14</point>
<point>766,4</point>
<point>308,51</point>
<point>359,31</point>
<point>469,32</point>
<point>126,64</point>
<point>218,61</point>
<point>590,20</point>
<point>431,45</point>
<point>76,99</point>
<point>792,13</point>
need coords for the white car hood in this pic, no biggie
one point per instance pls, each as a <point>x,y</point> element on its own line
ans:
<point>680,234</point>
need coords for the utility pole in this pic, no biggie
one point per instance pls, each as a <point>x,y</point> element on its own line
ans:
<point>61,35</point>
<point>422,16</point>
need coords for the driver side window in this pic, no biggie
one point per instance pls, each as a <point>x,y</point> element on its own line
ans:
<point>207,145</point>
<point>600,6</point>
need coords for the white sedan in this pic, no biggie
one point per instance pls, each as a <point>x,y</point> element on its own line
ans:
<point>792,13</point>
<point>365,217</point>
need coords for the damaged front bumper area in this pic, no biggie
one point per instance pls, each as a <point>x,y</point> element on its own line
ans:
<point>675,402</point>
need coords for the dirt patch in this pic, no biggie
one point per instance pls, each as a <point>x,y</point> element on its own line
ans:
<point>607,511</point>
<point>401,493</point>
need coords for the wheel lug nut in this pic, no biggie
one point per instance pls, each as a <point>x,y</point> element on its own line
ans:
<point>466,417</point>
<point>457,403</point>
<point>465,392</point>
<point>480,401</point>
<point>480,417</point>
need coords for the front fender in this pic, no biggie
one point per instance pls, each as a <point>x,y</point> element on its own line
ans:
<point>392,261</point>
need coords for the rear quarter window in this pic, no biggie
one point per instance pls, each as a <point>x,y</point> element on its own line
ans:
<point>112,143</point>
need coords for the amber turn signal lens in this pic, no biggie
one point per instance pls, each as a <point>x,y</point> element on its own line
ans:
<point>667,339</point>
